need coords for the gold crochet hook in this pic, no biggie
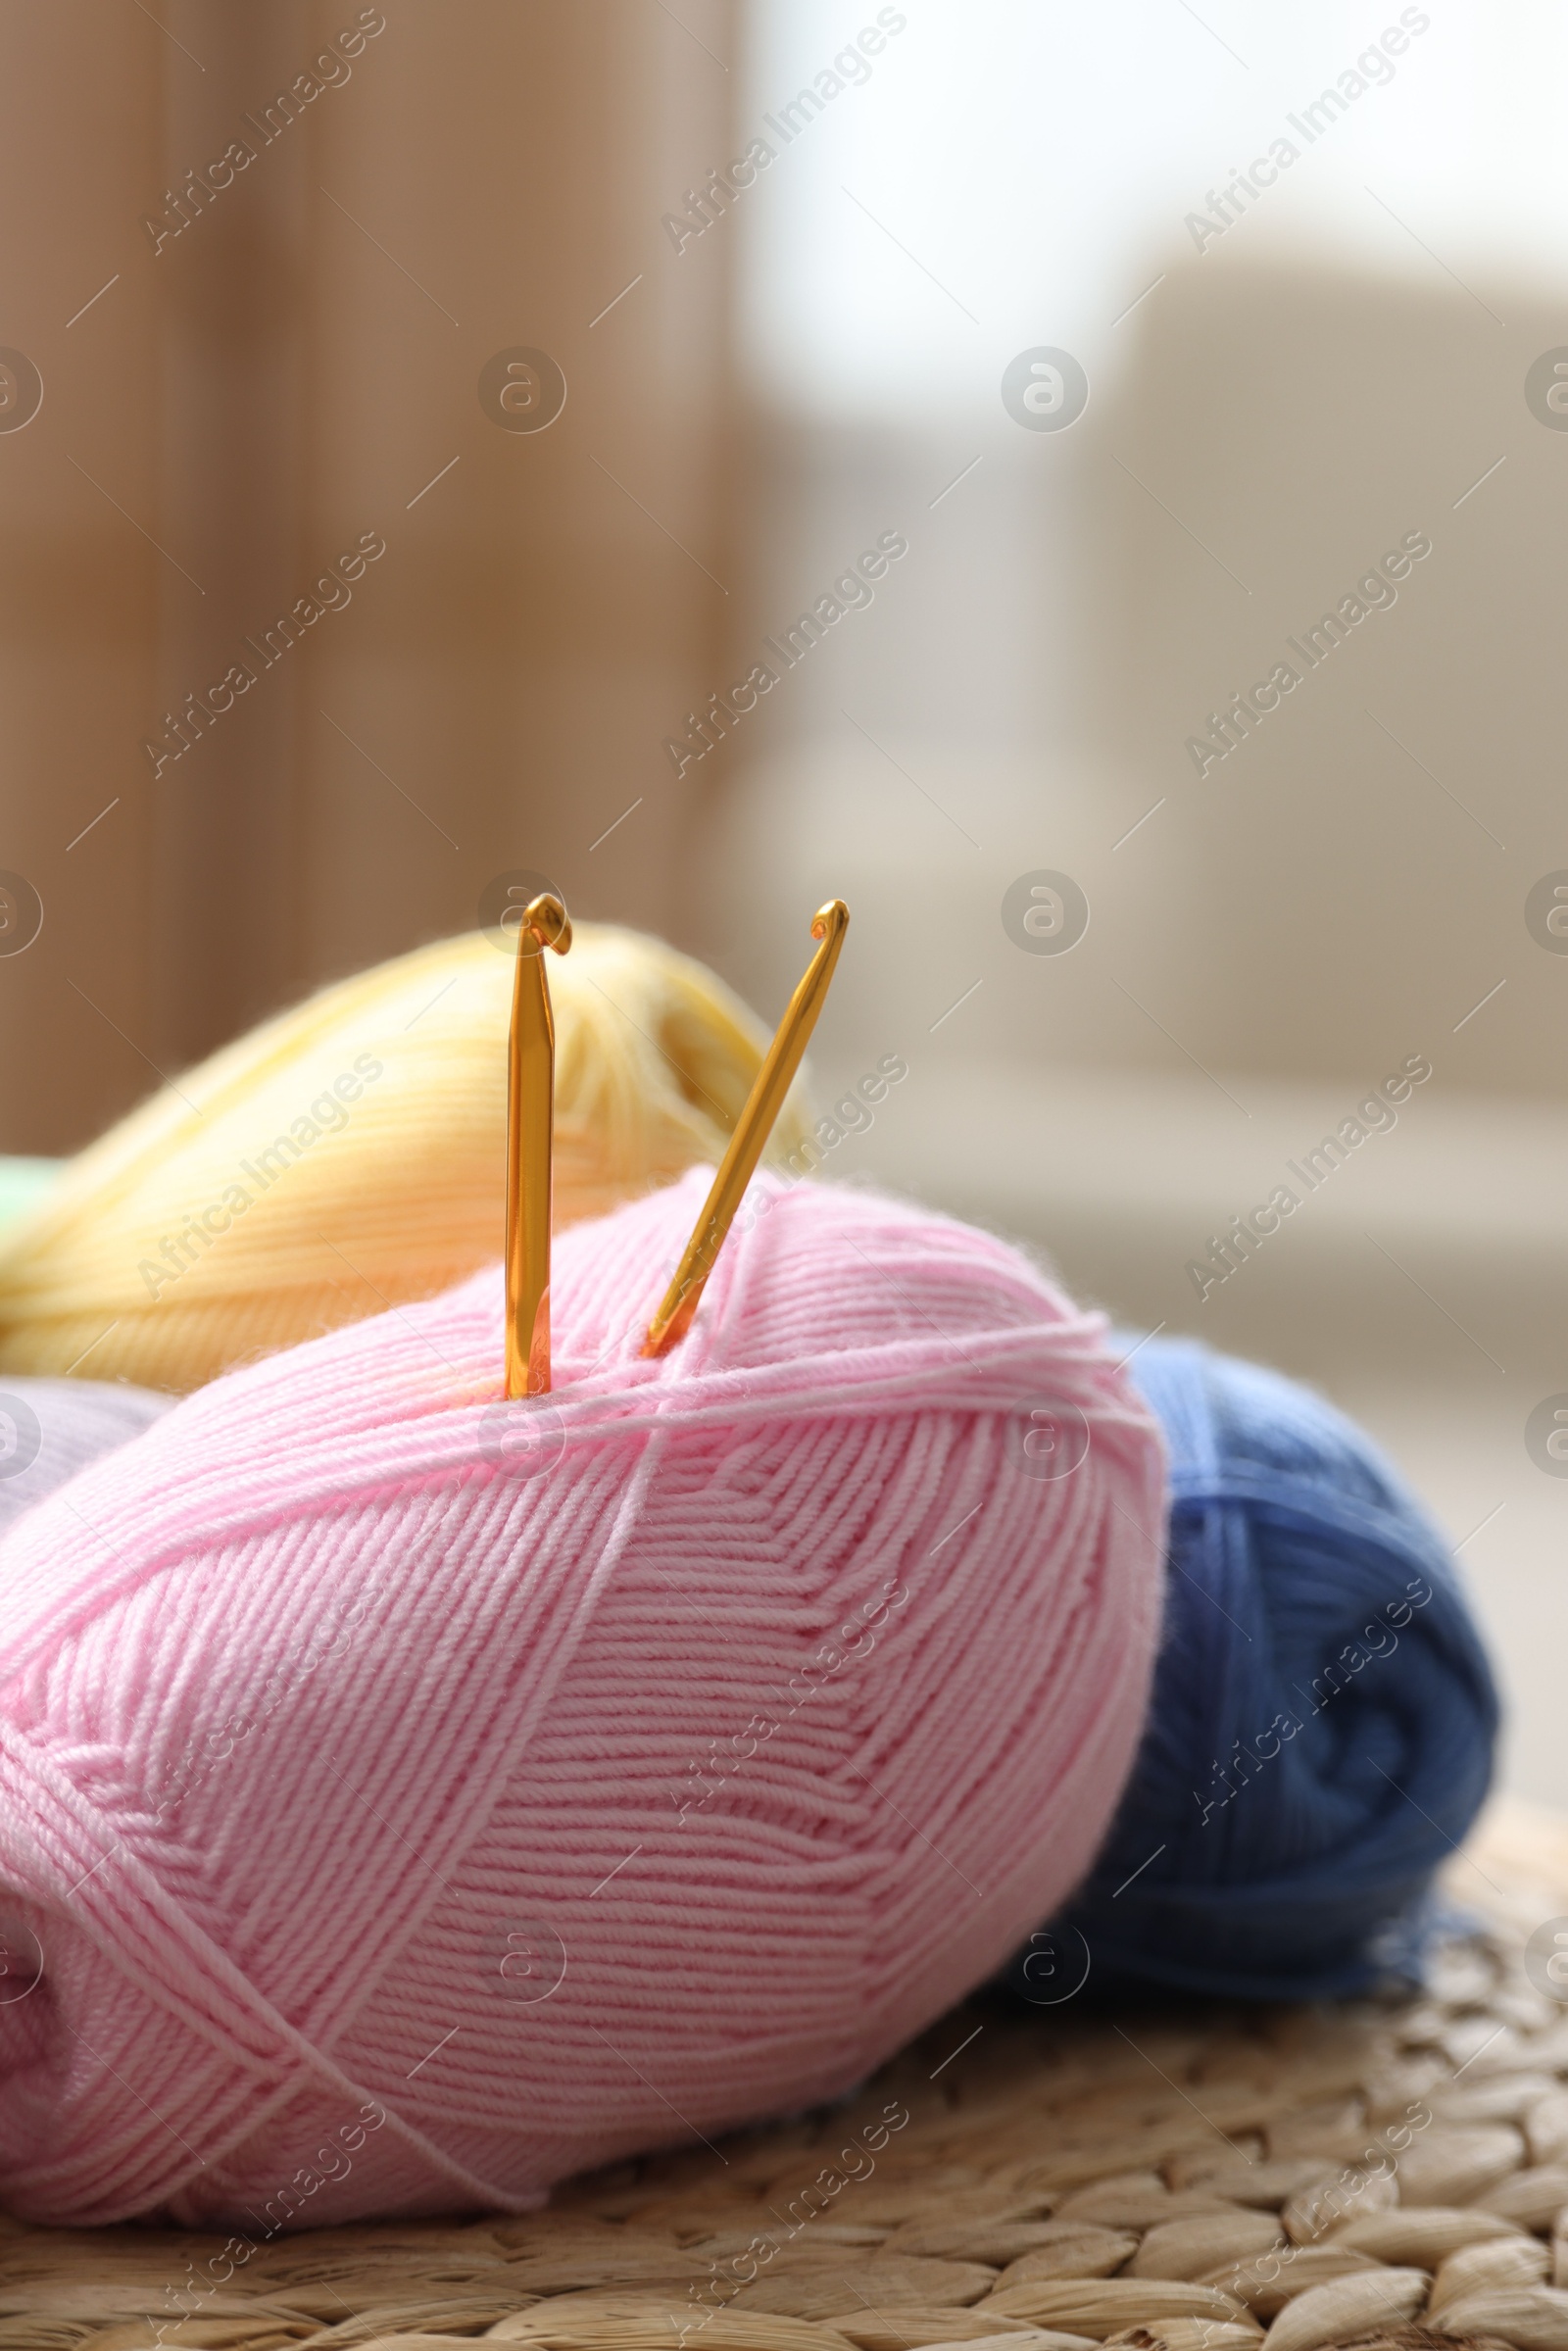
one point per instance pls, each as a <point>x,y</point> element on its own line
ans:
<point>530,1136</point>
<point>752,1130</point>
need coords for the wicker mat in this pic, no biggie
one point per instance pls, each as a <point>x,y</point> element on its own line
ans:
<point>1197,2179</point>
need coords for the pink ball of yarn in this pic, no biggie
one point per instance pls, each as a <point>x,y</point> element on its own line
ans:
<point>406,1813</point>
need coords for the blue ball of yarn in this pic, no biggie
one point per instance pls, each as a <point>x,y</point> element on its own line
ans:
<point>1321,1730</point>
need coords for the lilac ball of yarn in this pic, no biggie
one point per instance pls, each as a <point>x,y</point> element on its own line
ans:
<point>50,1428</point>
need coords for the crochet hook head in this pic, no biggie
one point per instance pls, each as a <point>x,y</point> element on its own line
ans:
<point>753,1128</point>
<point>530,1136</point>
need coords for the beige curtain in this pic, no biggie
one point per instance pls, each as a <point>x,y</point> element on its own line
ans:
<point>260,260</point>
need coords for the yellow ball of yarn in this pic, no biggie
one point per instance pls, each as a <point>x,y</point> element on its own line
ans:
<point>351,1154</point>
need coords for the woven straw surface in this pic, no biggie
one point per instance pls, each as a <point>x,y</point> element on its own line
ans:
<point>1198,2179</point>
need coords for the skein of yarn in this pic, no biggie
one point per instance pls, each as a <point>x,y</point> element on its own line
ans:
<point>49,1429</point>
<point>1323,1719</point>
<point>429,1796</point>
<point>24,1183</point>
<point>351,1154</point>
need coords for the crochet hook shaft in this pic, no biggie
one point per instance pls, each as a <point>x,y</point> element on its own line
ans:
<point>752,1130</point>
<point>530,1136</point>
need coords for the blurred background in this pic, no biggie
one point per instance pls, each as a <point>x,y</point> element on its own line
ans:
<point>1126,346</point>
